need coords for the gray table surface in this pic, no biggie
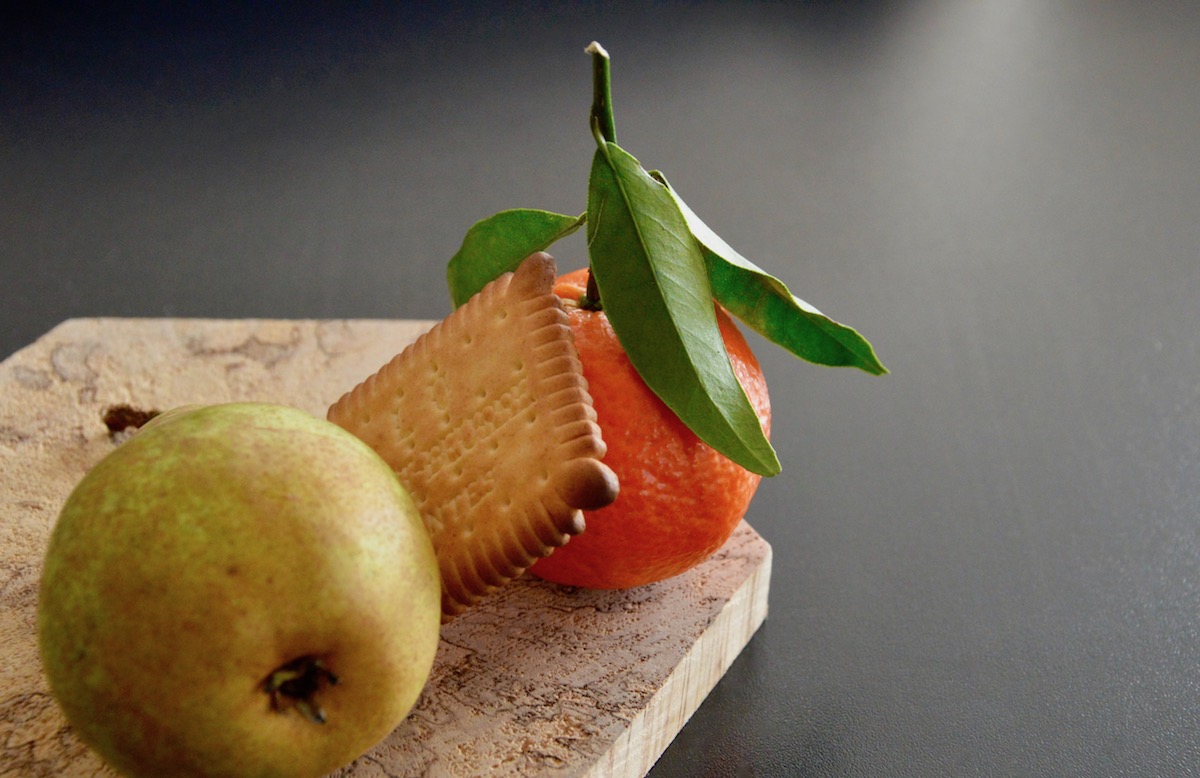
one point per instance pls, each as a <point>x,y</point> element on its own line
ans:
<point>987,562</point>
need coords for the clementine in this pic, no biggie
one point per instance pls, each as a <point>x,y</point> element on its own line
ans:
<point>680,499</point>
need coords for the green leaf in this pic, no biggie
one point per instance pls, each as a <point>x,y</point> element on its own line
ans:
<point>654,286</point>
<point>764,303</point>
<point>497,244</point>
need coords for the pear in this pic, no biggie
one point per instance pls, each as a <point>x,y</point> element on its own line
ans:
<point>239,589</point>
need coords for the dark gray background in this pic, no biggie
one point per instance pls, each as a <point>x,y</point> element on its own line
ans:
<point>986,563</point>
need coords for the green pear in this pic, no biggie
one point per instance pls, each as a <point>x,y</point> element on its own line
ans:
<point>238,590</point>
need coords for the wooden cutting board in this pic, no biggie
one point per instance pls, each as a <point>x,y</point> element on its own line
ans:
<point>537,680</point>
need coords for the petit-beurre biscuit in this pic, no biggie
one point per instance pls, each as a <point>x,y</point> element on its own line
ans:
<point>488,423</point>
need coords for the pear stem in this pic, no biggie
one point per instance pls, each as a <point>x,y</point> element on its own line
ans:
<point>295,684</point>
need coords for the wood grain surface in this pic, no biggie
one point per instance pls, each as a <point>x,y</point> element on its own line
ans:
<point>537,680</point>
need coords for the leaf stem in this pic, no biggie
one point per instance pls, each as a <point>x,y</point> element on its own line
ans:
<point>602,112</point>
<point>604,128</point>
<point>591,298</point>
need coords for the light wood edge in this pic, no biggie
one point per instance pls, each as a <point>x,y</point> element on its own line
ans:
<point>637,749</point>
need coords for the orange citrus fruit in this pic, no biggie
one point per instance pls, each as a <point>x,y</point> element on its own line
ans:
<point>680,499</point>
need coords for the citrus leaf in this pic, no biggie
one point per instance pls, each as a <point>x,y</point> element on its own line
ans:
<point>654,286</point>
<point>765,304</point>
<point>497,244</point>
